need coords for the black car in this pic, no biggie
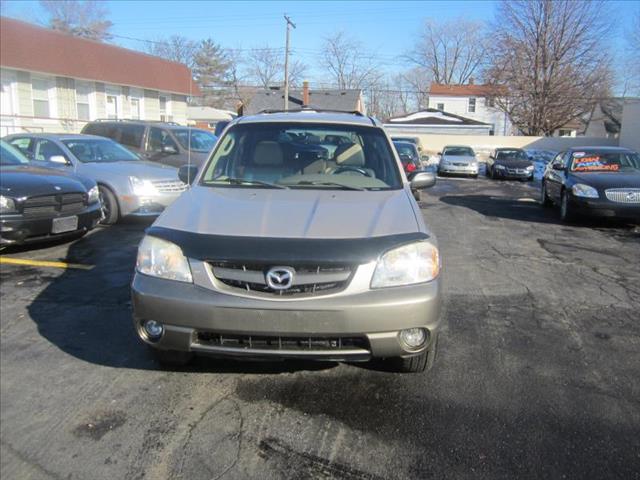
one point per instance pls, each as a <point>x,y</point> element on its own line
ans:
<point>409,156</point>
<point>39,203</point>
<point>510,163</point>
<point>162,142</point>
<point>594,181</point>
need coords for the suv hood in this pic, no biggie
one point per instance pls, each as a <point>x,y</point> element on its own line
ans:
<point>293,213</point>
<point>29,181</point>
<point>141,169</point>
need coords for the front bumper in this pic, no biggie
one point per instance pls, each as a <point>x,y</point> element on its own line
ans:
<point>467,169</point>
<point>16,229</point>
<point>602,207</point>
<point>513,174</point>
<point>188,311</point>
<point>145,206</point>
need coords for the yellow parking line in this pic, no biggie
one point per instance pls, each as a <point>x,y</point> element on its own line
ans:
<point>42,263</point>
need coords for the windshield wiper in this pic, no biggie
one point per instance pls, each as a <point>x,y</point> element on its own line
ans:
<point>242,181</point>
<point>329,184</point>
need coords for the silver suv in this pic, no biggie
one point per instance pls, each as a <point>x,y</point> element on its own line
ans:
<point>299,238</point>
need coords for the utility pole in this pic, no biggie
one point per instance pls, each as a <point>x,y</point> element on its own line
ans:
<point>286,64</point>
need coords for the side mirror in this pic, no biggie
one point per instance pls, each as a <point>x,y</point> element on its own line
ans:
<point>187,173</point>
<point>59,159</point>
<point>439,153</point>
<point>557,166</point>
<point>422,180</point>
<point>169,149</point>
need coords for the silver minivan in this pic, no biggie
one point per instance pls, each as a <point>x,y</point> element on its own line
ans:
<point>299,238</point>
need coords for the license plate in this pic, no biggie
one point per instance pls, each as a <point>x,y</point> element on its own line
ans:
<point>64,224</point>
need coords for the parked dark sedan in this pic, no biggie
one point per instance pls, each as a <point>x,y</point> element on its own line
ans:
<point>594,181</point>
<point>39,203</point>
<point>510,163</point>
<point>409,156</point>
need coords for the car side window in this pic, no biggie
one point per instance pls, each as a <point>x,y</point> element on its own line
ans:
<point>45,149</point>
<point>131,135</point>
<point>25,145</point>
<point>159,138</point>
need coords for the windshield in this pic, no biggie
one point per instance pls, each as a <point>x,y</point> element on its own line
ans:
<point>296,155</point>
<point>98,150</point>
<point>511,155</point>
<point>11,156</point>
<point>201,140</point>
<point>407,149</point>
<point>604,161</point>
<point>458,151</point>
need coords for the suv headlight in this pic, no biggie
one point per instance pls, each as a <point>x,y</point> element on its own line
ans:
<point>414,263</point>
<point>582,190</point>
<point>159,258</point>
<point>530,168</point>
<point>141,187</point>
<point>7,205</point>
<point>93,195</point>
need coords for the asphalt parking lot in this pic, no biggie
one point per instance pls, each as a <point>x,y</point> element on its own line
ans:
<point>538,373</point>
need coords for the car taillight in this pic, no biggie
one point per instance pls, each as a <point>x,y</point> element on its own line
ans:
<point>410,167</point>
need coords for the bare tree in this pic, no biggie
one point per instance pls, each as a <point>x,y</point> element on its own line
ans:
<point>629,70</point>
<point>85,19</point>
<point>453,52</point>
<point>175,48</point>
<point>418,81</point>
<point>265,66</point>
<point>548,62</point>
<point>347,63</point>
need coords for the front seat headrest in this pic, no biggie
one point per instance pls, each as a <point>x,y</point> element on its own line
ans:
<point>350,154</point>
<point>268,153</point>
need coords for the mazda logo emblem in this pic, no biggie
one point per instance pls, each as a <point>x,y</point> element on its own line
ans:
<point>280,278</point>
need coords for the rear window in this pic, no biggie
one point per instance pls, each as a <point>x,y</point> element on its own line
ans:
<point>305,155</point>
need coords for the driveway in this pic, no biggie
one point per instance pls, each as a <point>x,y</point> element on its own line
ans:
<point>538,373</point>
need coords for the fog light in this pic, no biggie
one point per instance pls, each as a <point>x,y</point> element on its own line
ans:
<point>413,337</point>
<point>153,329</point>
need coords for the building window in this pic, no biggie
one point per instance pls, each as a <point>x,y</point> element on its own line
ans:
<point>440,106</point>
<point>490,102</point>
<point>112,106</point>
<point>40,95</point>
<point>135,108</point>
<point>83,89</point>
<point>472,105</point>
<point>163,108</point>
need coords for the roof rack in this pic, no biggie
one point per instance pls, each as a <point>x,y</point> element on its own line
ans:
<point>134,120</point>
<point>312,109</point>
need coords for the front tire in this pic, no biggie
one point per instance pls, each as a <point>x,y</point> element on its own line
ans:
<point>544,198</point>
<point>567,213</point>
<point>417,363</point>
<point>110,208</point>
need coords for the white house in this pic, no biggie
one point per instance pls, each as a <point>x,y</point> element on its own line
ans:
<point>471,101</point>
<point>435,122</point>
<point>54,82</point>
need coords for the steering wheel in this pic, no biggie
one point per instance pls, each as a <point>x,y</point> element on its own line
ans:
<point>351,168</point>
